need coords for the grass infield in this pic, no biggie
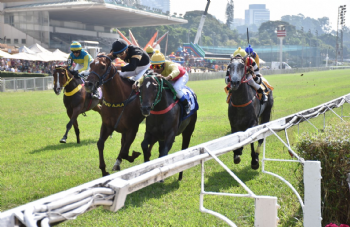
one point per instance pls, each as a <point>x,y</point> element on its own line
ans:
<point>33,164</point>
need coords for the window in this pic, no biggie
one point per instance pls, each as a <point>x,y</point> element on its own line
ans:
<point>23,41</point>
<point>15,41</point>
<point>8,41</point>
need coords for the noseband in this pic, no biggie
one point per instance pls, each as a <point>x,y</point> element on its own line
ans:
<point>159,92</point>
<point>106,73</point>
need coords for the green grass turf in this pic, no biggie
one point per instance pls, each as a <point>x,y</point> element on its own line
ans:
<point>33,164</point>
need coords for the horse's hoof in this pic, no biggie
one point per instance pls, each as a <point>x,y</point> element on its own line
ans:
<point>236,159</point>
<point>105,174</point>
<point>116,168</point>
<point>134,156</point>
<point>161,181</point>
<point>63,141</point>
<point>255,166</point>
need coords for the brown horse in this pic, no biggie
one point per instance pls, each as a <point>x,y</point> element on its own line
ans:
<point>163,121</point>
<point>75,98</point>
<point>117,99</point>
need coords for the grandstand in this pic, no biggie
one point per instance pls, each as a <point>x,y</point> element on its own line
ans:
<point>56,23</point>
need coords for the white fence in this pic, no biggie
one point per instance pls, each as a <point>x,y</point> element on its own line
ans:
<point>46,83</point>
<point>111,191</point>
<point>26,84</point>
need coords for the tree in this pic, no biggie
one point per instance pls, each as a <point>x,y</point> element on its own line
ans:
<point>229,13</point>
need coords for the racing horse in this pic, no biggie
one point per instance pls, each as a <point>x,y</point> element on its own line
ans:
<point>120,109</point>
<point>163,121</point>
<point>244,108</point>
<point>76,99</point>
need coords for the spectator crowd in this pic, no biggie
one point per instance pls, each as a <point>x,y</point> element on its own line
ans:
<point>16,65</point>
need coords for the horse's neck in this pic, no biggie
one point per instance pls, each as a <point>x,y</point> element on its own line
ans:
<point>116,89</point>
<point>243,94</point>
<point>166,100</point>
<point>73,83</point>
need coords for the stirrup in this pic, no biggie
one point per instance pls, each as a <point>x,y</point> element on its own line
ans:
<point>188,109</point>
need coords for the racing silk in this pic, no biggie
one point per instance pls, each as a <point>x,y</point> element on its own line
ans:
<point>136,57</point>
<point>256,58</point>
<point>251,61</point>
<point>174,70</point>
<point>84,58</point>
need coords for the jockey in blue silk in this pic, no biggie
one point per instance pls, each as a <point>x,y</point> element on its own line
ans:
<point>82,59</point>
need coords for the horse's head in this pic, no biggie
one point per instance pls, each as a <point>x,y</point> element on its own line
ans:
<point>99,73</point>
<point>149,94</point>
<point>61,78</point>
<point>236,70</point>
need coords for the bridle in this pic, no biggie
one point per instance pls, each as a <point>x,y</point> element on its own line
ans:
<point>102,79</point>
<point>244,77</point>
<point>160,85</point>
<point>68,78</point>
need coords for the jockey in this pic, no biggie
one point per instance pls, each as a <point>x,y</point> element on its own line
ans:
<point>172,72</point>
<point>83,60</point>
<point>253,54</point>
<point>137,58</point>
<point>150,51</point>
<point>252,71</point>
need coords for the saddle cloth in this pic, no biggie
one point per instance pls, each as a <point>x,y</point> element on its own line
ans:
<point>191,99</point>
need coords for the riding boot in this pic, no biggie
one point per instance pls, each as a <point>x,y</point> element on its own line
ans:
<point>186,105</point>
<point>263,98</point>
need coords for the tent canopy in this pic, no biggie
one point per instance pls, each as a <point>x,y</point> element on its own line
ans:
<point>38,49</point>
<point>4,54</point>
<point>25,50</point>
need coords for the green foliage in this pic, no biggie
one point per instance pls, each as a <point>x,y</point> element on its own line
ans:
<point>331,148</point>
<point>20,74</point>
<point>229,13</point>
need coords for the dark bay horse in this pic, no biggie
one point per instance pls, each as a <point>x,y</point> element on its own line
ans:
<point>120,110</point>
<point>75,98</point>
<point>244,108</point>
<point>162,114</point>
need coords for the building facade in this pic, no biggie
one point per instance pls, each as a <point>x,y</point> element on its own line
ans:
<point>257,14</point>
<point>158,5</point>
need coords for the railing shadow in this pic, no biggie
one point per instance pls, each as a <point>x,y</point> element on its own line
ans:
<point>61,146</point>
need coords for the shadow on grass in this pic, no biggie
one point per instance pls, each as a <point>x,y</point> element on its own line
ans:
<point>61,146</point>
<point>154,191</point>
<point>222,180</point>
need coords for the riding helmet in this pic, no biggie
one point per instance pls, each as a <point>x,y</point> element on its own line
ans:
<point>75,46</point>
<point>157,58</point>
<point>119,46</point>
<point>239,52</point>
<point>149,50</point>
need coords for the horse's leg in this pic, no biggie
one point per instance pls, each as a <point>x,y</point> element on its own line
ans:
<point>255,157</point>
<point>77,131</point>
<point>127,139</point>
<point>237,155</point>
<point>186,136</point>
<point>73,115</point>
<point>147,145</point>
<point>104,133</point>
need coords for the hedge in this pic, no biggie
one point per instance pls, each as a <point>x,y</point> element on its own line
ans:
<point>12,74</point>
<point>332,149</point>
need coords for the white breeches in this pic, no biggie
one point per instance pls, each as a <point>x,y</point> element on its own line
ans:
<point>80,66</point>
<point>136,74</point>
<point>252,82</point>
<point>179,85</point>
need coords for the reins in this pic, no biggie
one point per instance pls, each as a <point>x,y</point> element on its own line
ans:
<point>68,80</point>
<point>101,78</point>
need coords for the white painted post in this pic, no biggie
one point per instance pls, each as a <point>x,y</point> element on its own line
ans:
<point>312,198</point>
<point>120,187</point>
<point>266,211</point>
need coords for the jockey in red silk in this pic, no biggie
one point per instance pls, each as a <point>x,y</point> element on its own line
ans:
<point>172,72</point>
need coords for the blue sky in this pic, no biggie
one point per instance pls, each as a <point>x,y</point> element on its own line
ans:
<point>310,8</point>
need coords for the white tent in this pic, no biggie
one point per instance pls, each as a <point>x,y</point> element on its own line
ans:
<point>38,49</point>
<point>61,53</point>
<point>4,54</point>
<point>26,56</point>
<point>25,50</point>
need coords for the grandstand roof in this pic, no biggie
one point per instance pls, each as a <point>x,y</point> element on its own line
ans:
<point>99,14</point>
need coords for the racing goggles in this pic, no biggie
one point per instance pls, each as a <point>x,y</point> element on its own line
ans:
<point>156,66</point>
<point>76,51</point>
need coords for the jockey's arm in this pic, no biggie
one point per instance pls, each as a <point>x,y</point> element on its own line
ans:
<point>134,62</point>
<point>70,62</point>
<point>86,63</point>
<point>256,71</point>
<point>174,71</point>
